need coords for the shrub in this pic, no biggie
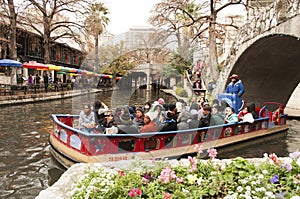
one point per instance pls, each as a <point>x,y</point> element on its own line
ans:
<point>181,92</point>
<point>180,84</point>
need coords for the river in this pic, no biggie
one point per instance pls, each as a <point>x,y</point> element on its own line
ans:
<point>24,150</point>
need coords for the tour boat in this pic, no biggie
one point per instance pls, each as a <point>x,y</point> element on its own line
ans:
<point>68,145</point>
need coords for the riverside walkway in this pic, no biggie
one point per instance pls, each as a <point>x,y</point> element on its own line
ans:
<point>20,97</point>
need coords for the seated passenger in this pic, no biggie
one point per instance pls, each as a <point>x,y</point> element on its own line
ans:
<point>126,126</point>
<point>132,113</point>
<point>251,109</point>
<point>205,119</point>
<point>183,117</point>
<point>87,119</point>
<point>117,115</point>
<point>139,117</point>
<point>194,105</point>
<point>173,111</point>
<point>100,108</point>
<point>159,114</point>
<point>194,122</point>
<point>230,117</point>
<point>150,126</point>
<point>216,117</point>
<point>245,116</point>
<point>169,124</point>
<point>109,122</point>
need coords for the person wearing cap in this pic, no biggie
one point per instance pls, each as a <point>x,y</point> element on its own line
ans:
<point>236,86</point>
<point>126,126</point>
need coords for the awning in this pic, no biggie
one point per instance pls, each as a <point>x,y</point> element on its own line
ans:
<point>35,65</point>
<point>10,63</point>
<point>53,67</point>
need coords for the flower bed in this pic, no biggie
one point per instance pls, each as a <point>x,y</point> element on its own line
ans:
<point>269,177</point>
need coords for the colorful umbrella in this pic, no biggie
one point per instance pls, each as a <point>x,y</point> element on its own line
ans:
<point>10,63</point>
<point>53,67</point>
<point>35,65</point>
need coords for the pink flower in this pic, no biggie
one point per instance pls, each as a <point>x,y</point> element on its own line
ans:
<point>193,168</point>
<point>145,180</point>
<point>138,191</point>
<point>198,148</point>
<point>193,162</point>
<point>135,192</point>
<point>179,180</point>
<point>167,195</point>
<point>166,174</point>
<point>212,153</point>
<point>121,173</point>
<point>153,161</point>
<point>274,157</point>
<point>131,193</point>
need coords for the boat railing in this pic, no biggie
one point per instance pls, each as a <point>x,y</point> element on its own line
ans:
<point>66,132</point>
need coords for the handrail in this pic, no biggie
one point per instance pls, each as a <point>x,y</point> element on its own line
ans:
<point>140,135</point>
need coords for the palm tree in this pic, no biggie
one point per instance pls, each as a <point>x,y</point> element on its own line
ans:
<point>95,25</point>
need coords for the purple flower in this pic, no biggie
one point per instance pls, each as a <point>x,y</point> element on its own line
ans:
<point>288,166</point>
<point>275,179</point>
<point>295,154</point>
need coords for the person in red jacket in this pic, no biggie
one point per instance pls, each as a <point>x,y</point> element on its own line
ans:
<point>150,124</point>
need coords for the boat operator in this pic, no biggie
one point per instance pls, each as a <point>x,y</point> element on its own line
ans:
<point>236,86</point>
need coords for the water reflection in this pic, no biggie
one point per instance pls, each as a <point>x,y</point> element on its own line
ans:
<point>25,163</point>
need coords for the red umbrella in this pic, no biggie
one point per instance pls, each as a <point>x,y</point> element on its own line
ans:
<point>35,65</point>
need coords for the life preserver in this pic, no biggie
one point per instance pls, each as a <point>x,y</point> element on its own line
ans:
<point>276,116</point>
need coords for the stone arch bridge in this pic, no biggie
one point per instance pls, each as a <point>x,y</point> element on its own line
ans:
<point>267,57</point>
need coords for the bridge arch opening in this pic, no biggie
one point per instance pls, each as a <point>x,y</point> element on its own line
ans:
<point>270,68</point>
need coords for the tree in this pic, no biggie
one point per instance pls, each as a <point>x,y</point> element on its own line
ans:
<point>49,19</point>
<point>95,23</point>
<point>197,18</point>
<point>9,12</point>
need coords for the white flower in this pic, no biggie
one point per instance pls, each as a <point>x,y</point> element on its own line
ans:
<point>232,196</point>
<point>239,189</point>
<point>260,189</point>
<point>295,197</point>
<point>185,190</point>
<point>199,181</point>
<point>265,171</point>
<point>247,197</point>
<point>270,194</point>
<point>243,181</point>
<point>298,162</point>
<point>260,176</point>
<point>253,183</point>
<point>248,188</point>
<point>248,193</point>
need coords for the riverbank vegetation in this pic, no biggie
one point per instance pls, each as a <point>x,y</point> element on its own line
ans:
<point>269,177</point>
